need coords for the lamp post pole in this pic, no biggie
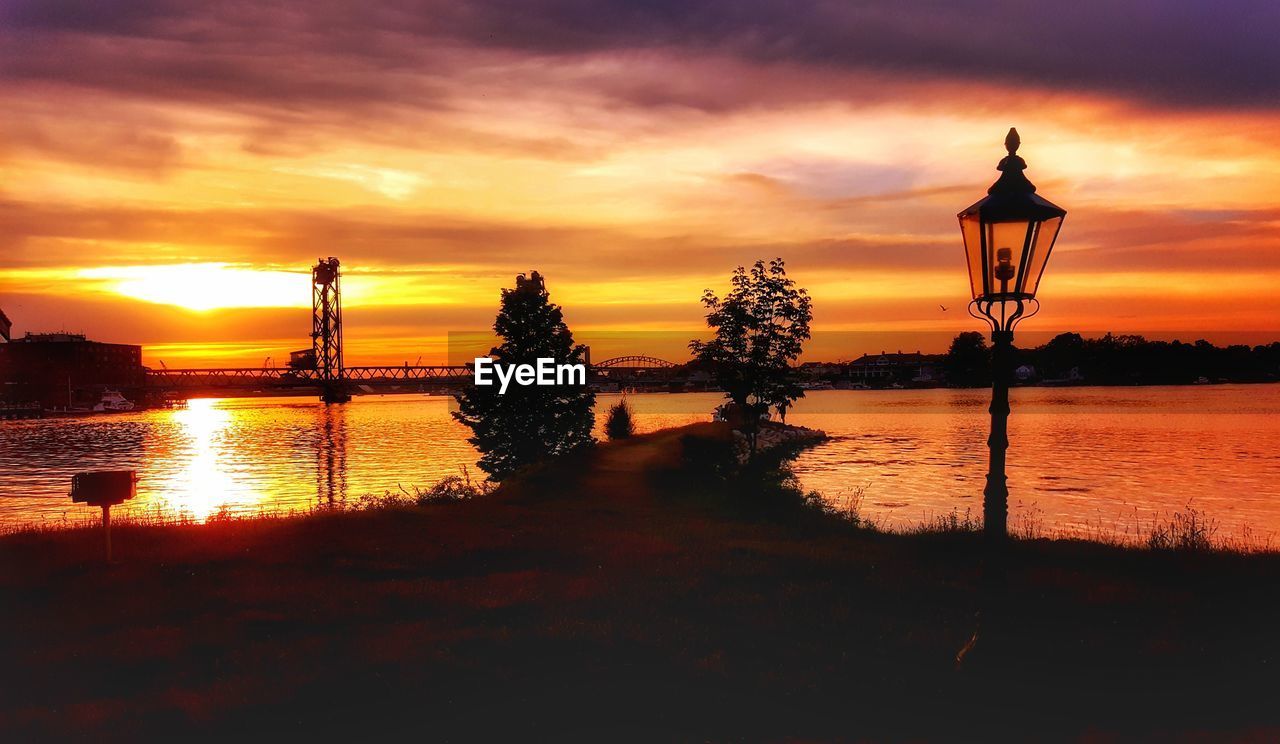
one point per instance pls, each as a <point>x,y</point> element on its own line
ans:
<point>995,501</point>
<point>1008,236</point>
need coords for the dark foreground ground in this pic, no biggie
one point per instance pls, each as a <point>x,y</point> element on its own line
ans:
<point>634,600</point>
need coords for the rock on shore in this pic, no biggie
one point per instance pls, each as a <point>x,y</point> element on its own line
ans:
<point>773,435</point>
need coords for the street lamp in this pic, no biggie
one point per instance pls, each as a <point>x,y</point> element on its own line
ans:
<point>1008,236</point>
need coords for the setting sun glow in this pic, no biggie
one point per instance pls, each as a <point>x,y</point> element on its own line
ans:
<point>208,286</point>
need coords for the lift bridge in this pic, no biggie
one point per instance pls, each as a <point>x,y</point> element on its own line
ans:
<point>321,367</point>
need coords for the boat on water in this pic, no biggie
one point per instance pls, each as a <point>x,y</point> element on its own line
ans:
<point>112,402</point>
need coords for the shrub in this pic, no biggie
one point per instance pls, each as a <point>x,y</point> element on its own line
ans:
<point>451,488</point>
<point>448,489</point>
<point>621,422</point>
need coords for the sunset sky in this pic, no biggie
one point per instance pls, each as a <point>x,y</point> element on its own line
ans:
<point>169,170</point>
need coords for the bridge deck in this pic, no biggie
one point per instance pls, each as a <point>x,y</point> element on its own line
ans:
<point>286,377</point>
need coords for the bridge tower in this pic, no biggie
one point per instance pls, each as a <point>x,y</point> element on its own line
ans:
<point>326,329</point>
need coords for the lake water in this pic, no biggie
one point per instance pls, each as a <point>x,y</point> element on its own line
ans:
<point>1086,460</point>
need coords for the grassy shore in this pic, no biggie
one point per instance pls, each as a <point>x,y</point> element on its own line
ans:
<point>628,594</point>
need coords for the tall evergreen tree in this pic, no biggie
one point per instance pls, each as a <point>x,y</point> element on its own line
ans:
<point>529,422</point>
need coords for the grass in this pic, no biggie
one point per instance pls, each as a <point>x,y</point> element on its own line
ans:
<point>1189,530</point>
<point>952,522</point>
<point>635,592</point>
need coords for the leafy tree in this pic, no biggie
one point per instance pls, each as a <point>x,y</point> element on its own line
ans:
<point>968,362</point>
<point>529,422</point>
<point>1063,352</point>
<point>760,328</point>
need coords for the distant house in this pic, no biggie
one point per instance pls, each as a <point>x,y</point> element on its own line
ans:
<point>1024,373</point>
<point>886,368</point>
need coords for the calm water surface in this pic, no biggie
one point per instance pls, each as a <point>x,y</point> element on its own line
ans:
<point>1106,460</point>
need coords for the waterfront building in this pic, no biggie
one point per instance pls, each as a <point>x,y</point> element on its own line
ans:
<point>61,370</point>
<point>885,368</point>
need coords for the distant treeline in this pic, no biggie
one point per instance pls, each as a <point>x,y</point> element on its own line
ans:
<point>1116,360</point>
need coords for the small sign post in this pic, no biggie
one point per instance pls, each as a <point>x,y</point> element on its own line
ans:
<point>104,488</point>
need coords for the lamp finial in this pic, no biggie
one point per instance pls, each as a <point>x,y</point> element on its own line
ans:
<point>1012,140</point>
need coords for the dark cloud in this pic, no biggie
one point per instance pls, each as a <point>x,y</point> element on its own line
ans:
<point>140,149</point>
<point>1187,53</point>
<point>321,52</point>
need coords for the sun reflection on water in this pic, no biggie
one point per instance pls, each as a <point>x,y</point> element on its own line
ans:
<point>205,479</point>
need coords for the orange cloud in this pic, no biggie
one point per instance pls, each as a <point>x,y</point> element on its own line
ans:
<point>170,172</point>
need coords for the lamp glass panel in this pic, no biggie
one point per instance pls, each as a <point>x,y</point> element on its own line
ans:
<point>1005,244</point>
<point>1038,253</point>
<point>971,230</point>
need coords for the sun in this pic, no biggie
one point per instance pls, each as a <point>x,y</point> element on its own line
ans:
<point>205,286</point>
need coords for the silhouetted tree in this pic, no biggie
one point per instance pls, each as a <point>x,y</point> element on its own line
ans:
<point>760,328</point>
<point>1063,353</point>
<point>968,362</point>
<point>529,422</point>
<point>1120,359</point>
<point>1133,360</point>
